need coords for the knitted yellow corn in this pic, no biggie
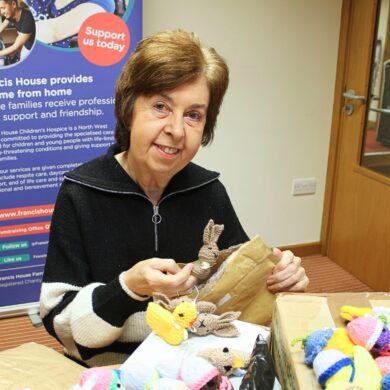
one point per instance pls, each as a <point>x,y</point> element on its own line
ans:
<point>350,312</point>
<point>368,375</point>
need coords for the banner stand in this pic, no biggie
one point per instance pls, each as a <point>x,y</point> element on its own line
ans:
<point>56,112</point>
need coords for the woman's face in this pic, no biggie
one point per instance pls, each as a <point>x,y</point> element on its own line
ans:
<point>7,10</point>
<point>167,129</point>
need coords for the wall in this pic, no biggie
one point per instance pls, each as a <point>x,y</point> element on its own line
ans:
<point>276,117</point>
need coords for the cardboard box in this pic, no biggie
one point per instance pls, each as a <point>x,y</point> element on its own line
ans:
<point>298,315</point>
<point>36,367</point>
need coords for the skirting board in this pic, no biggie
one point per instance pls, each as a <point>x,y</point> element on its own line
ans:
<point>303,250</point>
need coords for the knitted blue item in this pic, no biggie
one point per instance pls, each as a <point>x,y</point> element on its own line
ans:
<point>315,343</point>
<point>385,382</point>
<point>335,368</point>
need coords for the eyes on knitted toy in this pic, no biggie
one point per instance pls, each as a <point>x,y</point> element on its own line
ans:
<point>171,327</point>
<point>228,361</point>
<point>209,323</point>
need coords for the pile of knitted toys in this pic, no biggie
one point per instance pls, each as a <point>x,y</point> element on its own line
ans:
<point>174,373</point>
<point>171,320</point>
<point>354,357</point>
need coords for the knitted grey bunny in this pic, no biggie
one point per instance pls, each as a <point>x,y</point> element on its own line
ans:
<point>209,323</point>
<point>209,252</point>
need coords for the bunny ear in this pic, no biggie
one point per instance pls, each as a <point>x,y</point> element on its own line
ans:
<point>208,232</point>
<point>228,330</point>
<point>216,232</point>
<point>162,300</point>
<point>229,316</point>
<point>205,307</point>
<point>177,301</point>
<point>206,353</point>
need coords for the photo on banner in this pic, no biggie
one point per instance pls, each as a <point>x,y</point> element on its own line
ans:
<point>59,62</point>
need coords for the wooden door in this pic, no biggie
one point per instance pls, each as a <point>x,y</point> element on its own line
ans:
<point>356,224</point>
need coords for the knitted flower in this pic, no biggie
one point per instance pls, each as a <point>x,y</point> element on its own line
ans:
<point>332,365</point>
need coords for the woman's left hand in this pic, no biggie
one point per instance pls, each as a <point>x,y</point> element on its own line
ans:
<point>288,274</point>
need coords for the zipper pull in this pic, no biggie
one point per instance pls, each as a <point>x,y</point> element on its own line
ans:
<point>156,219</point>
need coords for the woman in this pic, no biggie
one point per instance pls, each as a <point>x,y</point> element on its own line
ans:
<point>123,221</point>
<point>20,17</point>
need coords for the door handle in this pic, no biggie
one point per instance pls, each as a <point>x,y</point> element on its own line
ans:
<point>350,95</point>
<point>381,110</point>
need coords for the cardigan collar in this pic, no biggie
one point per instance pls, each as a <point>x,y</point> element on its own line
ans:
<point>106,174</point>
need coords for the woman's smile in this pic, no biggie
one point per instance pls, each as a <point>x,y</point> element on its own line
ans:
<point>167,151</point>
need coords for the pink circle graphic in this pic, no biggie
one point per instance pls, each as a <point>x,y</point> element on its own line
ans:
<point>104,39</point>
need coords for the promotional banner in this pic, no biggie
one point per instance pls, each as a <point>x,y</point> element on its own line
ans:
<point>56,111</point>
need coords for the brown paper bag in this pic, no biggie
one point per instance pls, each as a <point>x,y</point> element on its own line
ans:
<point>239,284</point>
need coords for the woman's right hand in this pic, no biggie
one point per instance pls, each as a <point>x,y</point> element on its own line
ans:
<point>160,275</point>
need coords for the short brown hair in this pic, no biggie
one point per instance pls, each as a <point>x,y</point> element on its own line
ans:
<point>161,63</point>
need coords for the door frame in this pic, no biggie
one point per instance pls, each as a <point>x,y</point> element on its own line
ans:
<point>336,125</point>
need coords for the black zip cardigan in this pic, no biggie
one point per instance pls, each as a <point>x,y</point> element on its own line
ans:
<point>103,224</point>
